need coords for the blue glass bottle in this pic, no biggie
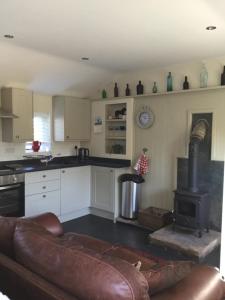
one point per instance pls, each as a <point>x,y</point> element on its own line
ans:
<point>169,82</point>
<point>203,77</point>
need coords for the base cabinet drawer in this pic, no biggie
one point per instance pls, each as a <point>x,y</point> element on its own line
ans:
<point>42,187</point>
<point>41,203</point>
<point>42,176</point>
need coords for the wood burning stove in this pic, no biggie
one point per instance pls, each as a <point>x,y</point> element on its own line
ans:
<point>191,206</point>
<point>191,210</point>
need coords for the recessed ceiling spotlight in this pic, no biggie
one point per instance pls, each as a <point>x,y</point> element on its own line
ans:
<point>9,36</point>
<point>210,27</point>
<point>85,58</point>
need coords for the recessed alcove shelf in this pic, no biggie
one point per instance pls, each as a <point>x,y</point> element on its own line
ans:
<point>219,87</point>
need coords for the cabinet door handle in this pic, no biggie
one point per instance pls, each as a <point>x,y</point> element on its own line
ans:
<point>44,187</point>
<point>63,171</point>
<point>43,196</point>
<point>111,171</point>
<point>43,176</point>
<point>67,137</point>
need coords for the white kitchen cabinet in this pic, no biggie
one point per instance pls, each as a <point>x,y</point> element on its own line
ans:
<point>106,190</point>
<point>42,203</point>
<point>42,192</point>
<point>71,118</point>
<point>20,103</point>
<point>75,189</point>
<point>103,188</point>
<point>112,132</point>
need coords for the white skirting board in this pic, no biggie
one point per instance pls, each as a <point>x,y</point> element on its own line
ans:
<point>84,212</point>
<point>101,213</point>
<point>74,215</point>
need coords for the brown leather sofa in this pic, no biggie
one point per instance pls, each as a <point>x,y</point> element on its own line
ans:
<point>39,262</point>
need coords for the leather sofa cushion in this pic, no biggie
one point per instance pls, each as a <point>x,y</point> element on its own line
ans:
<point>83,273</point>
<point>48,221</point>
<point>7,227</point>
<point>132,256</point>
<point>159,273</point>
<point>166,274</point>
<point>80,241</point>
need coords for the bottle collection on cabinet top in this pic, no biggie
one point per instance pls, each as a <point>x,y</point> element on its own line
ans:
<point>203,80</point>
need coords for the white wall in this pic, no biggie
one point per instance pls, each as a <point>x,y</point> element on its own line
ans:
<point>148,76</point>
<point>167,139</point>
<point>222,248</point>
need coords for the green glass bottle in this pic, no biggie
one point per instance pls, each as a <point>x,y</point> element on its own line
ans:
<point>154,88</point>
<point>104,94</point>
<point>169,82</point>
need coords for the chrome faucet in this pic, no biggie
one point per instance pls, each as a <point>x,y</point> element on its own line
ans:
<point>47,159</point>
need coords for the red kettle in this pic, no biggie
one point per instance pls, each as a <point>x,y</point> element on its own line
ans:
<point>36,146</point>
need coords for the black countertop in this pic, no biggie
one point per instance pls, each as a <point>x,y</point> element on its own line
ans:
<point>32,165</point>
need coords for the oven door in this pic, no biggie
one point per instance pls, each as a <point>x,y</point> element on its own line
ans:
<point>12,200</point>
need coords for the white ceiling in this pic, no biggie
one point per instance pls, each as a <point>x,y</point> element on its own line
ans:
<point>118,35</point>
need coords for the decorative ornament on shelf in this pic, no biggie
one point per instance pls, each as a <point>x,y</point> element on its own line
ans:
<point>116,90</point>
<point>154,88</point>
<point>186,83</point>
<point>223,77</point>
<point>127,91</point>
<point>203,77</point>
<point>169,82</point>
<point>104,94</point>
<point>145,117</point>
<point>142,164</point>
<point>140,88</point>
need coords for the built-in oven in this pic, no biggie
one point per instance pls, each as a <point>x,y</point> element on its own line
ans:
<point>12,195</point>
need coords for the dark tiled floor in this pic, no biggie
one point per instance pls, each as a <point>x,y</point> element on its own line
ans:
<point>105,229</point>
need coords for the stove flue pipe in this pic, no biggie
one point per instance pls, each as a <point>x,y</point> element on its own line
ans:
<point>197,136</point>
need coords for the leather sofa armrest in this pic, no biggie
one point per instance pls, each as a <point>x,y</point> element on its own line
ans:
<point>49,221</point>
<point>203,283</point>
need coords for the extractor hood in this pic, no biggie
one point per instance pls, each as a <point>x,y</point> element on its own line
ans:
<point>7,115</point>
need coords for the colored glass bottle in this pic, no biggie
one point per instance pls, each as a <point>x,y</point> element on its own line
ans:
<point>104,94</point>
<point>140,88</point>
<point>116,91</point>
<point>169,82</point>
<point>203,77</point>
<point>223,77</point>
<point>127,91</point>
<point>186,83</point>
<point>154,88</point>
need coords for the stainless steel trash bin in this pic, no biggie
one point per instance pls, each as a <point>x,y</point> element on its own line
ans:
<point>131,188</point>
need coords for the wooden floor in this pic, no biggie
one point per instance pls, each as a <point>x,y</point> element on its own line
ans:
<point>129,235</point>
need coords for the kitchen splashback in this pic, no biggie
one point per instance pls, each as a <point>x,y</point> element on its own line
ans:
<point>14,151</point>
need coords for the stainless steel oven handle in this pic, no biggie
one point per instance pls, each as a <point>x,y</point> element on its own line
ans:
<point>9,187</point>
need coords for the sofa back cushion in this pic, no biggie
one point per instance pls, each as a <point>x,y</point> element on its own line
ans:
<point>83,273</point>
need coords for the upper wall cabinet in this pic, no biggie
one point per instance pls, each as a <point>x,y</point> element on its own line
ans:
<point>71,119</point>
<point>20,103</point>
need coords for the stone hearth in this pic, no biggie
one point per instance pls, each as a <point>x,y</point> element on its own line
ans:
<point>186,242</point>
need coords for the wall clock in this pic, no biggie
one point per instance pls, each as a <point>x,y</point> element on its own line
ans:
<point>145,117</point>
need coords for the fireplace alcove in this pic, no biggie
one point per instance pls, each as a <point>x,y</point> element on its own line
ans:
<point>198,198</point>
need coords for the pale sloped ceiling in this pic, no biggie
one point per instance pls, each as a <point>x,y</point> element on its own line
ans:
<point>119,36</point>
